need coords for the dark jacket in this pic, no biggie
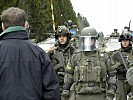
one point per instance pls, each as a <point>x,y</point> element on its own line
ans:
<point>26,72</point>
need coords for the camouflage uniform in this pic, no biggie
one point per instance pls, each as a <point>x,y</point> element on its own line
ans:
<point>61,56</point>
<point>74,41</point>
<point>86,74</point>
<point>123,88</point>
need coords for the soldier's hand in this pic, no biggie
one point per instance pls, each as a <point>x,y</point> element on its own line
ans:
<point>121,69</point>
<point>109,97</point>
<point>65,93</point>
<point>111,93</point>
<point>130,96</point>
<point>51,49</point>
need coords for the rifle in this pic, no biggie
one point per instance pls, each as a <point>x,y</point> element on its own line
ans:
<point>119,57</point>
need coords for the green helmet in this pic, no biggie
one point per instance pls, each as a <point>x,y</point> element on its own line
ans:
<point>87,39</point>
<point>89,31</point>
<point>62,30</point>
<point>126,35</point>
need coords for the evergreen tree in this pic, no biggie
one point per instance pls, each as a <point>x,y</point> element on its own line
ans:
<point>82,22</point>
<point>39,14</point>
<point>63,12</point>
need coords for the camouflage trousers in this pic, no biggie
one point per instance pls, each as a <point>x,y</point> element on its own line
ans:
<point>123,89</point>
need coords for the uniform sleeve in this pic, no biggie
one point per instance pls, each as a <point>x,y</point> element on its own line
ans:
<point>111,81</point>
<point>50,85</point>
<point>69,71</point>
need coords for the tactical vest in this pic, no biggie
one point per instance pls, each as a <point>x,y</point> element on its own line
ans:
<point>60,59</point>
<point>90,74</point>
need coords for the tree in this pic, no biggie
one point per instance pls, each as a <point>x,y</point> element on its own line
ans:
<point>82,22</point>
<point>63,11</point>
<point>39,14</point>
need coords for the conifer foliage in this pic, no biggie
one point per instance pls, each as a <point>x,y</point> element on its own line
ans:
<point>40,16</point>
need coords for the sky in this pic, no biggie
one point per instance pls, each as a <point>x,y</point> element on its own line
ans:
<point>106,15</point>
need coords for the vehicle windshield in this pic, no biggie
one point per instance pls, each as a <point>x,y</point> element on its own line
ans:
<point>113,44</point>
<point>49,41</point>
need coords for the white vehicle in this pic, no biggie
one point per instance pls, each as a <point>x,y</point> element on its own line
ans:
<point>45,45</point>
<point>113,44</point>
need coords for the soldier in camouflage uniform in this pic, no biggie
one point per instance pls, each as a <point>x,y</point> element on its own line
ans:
<point>61,53</point>
<point>88,75</point>
<point>123,61</point>
<point>129,77</point>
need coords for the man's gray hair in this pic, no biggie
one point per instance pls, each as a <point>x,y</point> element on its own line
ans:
<point>13,17</point>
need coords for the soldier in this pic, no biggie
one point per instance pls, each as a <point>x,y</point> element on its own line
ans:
<point>61,53</point>
<point>75,34</point>
<point>69,23</point>
<point>87,74</point>
<point>123,58</point>
<point>115,33</point>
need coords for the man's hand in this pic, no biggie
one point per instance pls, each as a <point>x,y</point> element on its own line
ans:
<point>51,49</point>
<point>65,93</point>
<point>110,93</point>
<point>109,97</point>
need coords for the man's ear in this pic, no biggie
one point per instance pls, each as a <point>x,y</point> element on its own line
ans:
<point>3,28</point>
<point>26,25</point>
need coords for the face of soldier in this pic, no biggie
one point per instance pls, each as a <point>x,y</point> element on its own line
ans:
<point>87,43</point>
<point>125,43</point>
<point>62,39</point>
<point>93,40</point>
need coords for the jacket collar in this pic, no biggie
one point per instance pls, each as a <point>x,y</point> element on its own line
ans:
<point>14,32</point>
<point>13,29</point>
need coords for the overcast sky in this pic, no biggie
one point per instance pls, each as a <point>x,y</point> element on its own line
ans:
<point>106,15</point>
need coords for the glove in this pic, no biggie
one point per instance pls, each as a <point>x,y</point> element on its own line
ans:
<point>65,93</point>
<point>130,96</point>
<point>109,97</point>
<point>110,94</point>
<point>121,69</point>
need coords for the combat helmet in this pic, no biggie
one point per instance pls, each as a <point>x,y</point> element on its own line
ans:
<point>87,40</point>
<point>74,30</point>
<point>126,35</point>
<point>89,31</point>
<point>62,30</point>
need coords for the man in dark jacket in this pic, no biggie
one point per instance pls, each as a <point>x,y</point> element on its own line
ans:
<point>26,72</point>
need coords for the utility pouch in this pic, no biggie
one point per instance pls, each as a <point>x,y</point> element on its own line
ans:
<point>76,74</point>
<point>85,89</point>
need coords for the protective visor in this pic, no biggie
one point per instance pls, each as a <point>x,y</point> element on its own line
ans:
<point>87,43</point>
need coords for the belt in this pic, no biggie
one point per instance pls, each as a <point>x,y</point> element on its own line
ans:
<point>90,84</point>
